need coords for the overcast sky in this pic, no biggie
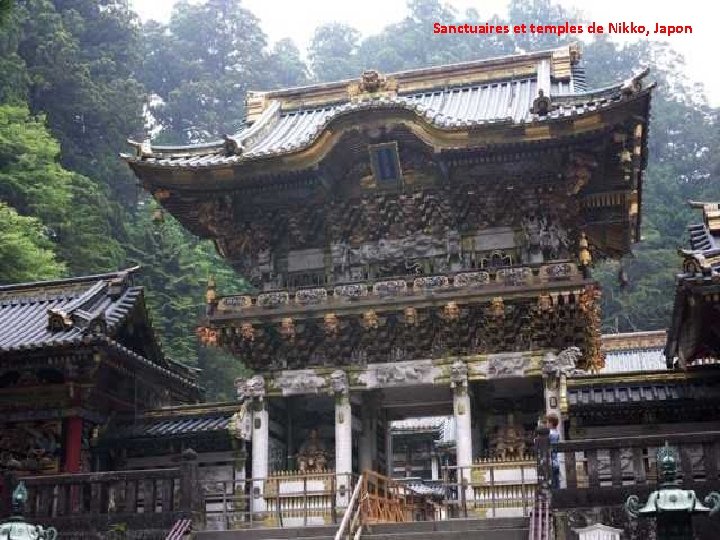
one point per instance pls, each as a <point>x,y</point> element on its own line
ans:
<point>298,19</point>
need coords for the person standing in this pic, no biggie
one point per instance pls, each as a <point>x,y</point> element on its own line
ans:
<point>552,423</point>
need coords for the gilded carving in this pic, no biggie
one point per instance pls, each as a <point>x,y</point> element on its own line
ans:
<point>331,323</point>
<point>410,316</point>
<point>371,83</point>
<point>497,307</point>
<point>370,319</point>
<point>509,441</point>
<point>287,328</point>
<point>247,331</point>
<point>207,336</point>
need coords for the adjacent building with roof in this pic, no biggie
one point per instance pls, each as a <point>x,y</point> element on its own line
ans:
<point>73,354</point>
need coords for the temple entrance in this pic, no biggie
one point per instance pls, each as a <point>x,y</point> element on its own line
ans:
<point>500,477</point>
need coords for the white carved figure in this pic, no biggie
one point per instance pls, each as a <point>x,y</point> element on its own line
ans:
<point>255,387</point>
<point>300,382</point>
<point>506,366</point>
<point>458,374</point>
<point>339,381</point>
<point>564,363</point>
<point>394,373</point>
<point>240,384</point>
<point>241,424</point>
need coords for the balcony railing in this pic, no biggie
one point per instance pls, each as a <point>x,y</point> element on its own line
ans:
<point>477,281</point>
<point>150,501</point>
<point>288,499</point>
<point>603,472</point>
<point>490,488</point>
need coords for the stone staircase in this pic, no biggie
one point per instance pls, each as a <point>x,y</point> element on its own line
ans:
<point>275,533</point>
<point>456,529</point>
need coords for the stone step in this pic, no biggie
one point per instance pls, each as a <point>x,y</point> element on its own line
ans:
<point>505,533</point>
<point>272,533</point>
<point>454,529</point>
<point>450,525</point>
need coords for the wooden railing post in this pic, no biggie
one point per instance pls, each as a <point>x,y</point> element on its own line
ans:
<point>544,461</point>
<point>9,484</point>
<point>191,498</point>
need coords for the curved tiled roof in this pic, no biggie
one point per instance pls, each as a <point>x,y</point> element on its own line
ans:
<point>691,336</point>
<point>702,260</point>
<point>278,131</point>
<point>24,317</point>
<point>502,103</point>
<point>81,310</point>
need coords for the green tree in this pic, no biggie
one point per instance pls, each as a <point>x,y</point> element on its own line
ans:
<point>68,205</point>
<point>333,52</point>
<point>26,253</point>
<point>216,51</point>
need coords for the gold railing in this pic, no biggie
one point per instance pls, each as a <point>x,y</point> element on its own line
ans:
<point>384,500</point>
<point>491,488</point>
<point>288,499</point>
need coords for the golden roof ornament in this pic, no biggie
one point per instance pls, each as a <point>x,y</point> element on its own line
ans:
<point>584,255</point>
<point>211,299</point>
<point>370,85</point>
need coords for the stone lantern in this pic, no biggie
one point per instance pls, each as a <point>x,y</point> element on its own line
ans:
<point>16,528</point>
<point>672,507</point>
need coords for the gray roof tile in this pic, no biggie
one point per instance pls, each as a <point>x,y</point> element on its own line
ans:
<point>282,132</point>
<point>164,427</point>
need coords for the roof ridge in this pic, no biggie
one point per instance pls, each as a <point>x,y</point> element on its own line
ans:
<point>515,57</point>
<point>66,281</point>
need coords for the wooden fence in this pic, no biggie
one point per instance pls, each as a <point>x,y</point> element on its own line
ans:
<point>604,472</point>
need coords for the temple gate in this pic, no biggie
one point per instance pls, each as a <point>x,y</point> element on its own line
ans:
<point>416,244</point>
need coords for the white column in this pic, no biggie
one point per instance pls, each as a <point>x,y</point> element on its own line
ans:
<point>260,450</point>
<point>434,468</point>
<point>555,384</point>
<point>463,422</point>
<point>343,447</point>
<point>461,402</point>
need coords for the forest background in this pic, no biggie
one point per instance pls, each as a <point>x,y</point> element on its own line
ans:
<point>78,77</point>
